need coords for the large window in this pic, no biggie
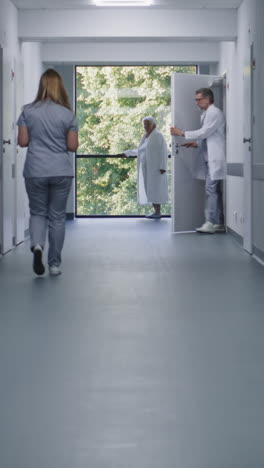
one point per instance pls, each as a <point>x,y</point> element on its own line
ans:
<point>110,105</point>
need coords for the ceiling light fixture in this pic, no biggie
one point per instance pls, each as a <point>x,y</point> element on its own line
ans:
<point>118,3</point>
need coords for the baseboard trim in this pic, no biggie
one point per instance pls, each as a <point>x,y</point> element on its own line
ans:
<point>236,236</point>
<point>258,255</point>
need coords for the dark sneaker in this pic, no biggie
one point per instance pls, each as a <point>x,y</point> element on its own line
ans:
<point>38,266</point>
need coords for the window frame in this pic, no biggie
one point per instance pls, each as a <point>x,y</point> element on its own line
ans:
<point>91,156</point>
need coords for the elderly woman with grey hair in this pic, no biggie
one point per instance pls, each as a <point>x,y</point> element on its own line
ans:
<point>152,157</point>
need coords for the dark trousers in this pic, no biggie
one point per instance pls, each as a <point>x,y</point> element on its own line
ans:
<point>214,211</point>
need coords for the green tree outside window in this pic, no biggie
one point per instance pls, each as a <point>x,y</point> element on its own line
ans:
<point>110,105</point>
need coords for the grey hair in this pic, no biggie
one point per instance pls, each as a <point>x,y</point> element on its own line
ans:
<point>151,120</point>
<point>206,93</point>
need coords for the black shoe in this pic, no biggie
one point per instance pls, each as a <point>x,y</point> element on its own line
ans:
<point>38,266</point>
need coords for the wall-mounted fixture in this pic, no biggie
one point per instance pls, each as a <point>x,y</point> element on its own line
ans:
<point>122,3</point>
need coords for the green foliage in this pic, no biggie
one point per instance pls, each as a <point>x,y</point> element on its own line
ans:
<point>111,103</point>
<point>107,186</point>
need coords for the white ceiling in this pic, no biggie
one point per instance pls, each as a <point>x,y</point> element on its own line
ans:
<point>177,4</point>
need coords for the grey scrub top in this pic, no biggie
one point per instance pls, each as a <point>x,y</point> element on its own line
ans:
<point>47,124</point>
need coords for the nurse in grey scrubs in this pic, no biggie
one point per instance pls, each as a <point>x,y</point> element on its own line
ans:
<point>48,128</point>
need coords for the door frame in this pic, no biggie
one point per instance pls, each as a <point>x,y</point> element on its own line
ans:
<point>248,160</point>
<point>1,148</point>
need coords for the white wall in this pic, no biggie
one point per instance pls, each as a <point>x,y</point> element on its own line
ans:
<point>25,62</point>
<point>230,64</point>
<point>136,23</point>
<point>232,59</point>
<point>8,26</point>
<point>31,70</point>
<point>9,43</point>
<point>235,204</point>
<point>128,52</point>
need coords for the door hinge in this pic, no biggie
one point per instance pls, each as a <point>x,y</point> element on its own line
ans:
<point>13,171</point>
<point>254,64</point>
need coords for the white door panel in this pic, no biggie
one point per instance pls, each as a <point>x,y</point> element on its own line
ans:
<point>8,184</point>
<point>187,192</point>
<point>20,195</point>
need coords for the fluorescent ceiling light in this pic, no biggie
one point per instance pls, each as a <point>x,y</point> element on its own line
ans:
<point>122,2</point>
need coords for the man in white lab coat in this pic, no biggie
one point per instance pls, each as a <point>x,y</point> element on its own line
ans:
<point>210,141</point>
<point>152,158</point>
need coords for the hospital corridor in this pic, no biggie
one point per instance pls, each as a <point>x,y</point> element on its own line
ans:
<point>138,341</point>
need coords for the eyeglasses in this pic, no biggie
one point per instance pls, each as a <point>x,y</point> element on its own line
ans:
<point>199,99</point>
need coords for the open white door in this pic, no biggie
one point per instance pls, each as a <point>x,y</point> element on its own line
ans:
<point>8,144</point>
<point>188,193</point>
<point>248,145</point>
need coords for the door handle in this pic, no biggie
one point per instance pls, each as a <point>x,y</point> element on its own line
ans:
<point>177,148</point>
<point>246,140</point>
<point>7,142</point>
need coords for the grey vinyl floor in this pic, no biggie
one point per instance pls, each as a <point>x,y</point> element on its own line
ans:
<point>147,352</point>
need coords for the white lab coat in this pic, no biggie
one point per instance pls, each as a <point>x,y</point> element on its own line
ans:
<point>152,155</point>
<point>213,130</point>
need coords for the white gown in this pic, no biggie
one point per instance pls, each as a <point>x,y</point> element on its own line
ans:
<point>152,156</point>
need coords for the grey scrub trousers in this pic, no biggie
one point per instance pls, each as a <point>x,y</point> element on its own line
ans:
<point>47,203</point>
